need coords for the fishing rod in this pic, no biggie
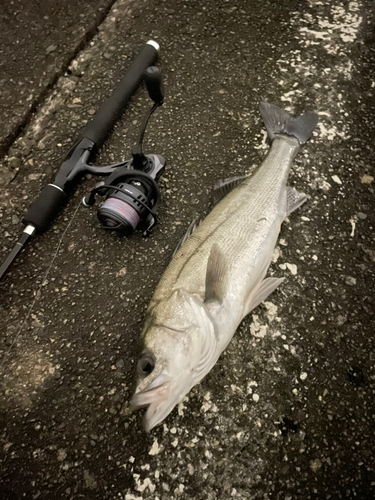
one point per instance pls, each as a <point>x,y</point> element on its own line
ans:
<point>131,192</point>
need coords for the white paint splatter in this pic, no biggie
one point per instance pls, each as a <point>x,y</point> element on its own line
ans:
<point>333,28</point>
<point>292,268</point>
<point>257,329</point>
<point>155,448</point>
<point>271,310</point>
<point>130,496</point>
<point>142,486</point>
<point>276,254</point>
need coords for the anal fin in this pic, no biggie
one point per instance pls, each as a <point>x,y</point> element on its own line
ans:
<point>294,199</point>
<point>260,293</point>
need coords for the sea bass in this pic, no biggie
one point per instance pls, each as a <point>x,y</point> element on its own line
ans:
<point>217,274</point>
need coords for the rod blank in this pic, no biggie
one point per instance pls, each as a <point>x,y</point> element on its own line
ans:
<point>109,112</point>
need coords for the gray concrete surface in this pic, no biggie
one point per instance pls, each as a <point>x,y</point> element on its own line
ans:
<point>288,411</point>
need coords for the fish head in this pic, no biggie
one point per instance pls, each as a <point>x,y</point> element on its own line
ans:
<point>169,364</point>
<point>163,376</point>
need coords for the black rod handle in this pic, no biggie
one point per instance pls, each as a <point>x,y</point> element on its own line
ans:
<point>109,112</point>
<point>45,208</point>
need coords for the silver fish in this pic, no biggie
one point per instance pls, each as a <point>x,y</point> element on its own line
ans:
<point>217,274</point>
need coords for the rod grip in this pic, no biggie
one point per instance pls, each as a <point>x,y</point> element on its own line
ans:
<point>109,112</point>
<point>45,208</point>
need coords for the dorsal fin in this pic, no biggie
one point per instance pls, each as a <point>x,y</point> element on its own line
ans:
<point>225,186</point>
<point>187,235</point>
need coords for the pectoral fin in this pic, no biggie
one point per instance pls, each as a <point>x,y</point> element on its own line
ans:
<point>260,293</point>
<point>208,351</point>
<point>216,275</point>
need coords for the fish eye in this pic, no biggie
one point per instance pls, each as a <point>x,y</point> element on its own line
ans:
<point>146,364</point>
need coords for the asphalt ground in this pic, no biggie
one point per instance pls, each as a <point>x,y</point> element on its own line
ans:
<point>288,410</point>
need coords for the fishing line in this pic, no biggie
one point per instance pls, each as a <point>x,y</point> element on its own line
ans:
<point>38,293</point>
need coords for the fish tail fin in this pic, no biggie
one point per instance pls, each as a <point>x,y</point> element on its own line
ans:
<point>279,121</point>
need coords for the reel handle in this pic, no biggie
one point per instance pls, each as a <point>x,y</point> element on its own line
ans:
<point>154,84</point>
<point>109,112</point>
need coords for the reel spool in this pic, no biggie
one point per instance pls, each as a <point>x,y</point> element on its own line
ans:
<point>131,199</point>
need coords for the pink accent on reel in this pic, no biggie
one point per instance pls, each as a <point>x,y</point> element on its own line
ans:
<point>122,209</point>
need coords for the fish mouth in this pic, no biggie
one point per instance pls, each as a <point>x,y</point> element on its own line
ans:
<point>155,392</point>
<point>160,397</point>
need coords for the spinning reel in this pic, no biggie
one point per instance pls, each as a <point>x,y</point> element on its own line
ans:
<point>131,192</point>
